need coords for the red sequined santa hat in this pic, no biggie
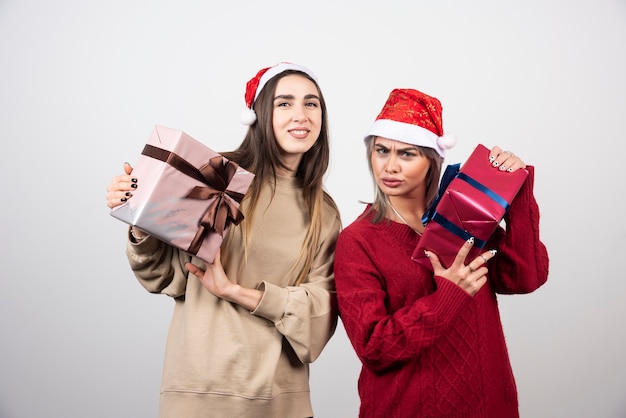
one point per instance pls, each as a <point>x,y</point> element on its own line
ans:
<point>415,118</point>
<point>256,84</point>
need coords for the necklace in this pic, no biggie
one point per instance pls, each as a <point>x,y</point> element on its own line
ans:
<point>401,218</point>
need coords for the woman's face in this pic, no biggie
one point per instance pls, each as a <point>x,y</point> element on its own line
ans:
<point>297,117</point>
<point>399,169</point>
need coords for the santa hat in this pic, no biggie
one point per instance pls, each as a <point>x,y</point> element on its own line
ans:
<point>415,118</point>
<point>256,84</point>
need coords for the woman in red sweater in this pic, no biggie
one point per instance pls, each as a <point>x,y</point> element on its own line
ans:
<point>431,343</point>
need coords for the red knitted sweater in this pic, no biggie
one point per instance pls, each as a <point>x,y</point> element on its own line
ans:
<point>428,349</point>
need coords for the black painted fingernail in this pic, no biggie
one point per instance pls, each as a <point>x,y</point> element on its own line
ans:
<point>123,199</point>
<point>134,180</point>
<point>134,186</point>
<point>127,194</point>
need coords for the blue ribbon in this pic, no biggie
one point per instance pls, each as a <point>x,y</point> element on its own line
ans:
<point>495,197</point>
<point>452,172</point>
<point>459,232</point>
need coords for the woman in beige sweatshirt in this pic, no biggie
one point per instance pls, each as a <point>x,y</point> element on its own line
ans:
<point>246,327</point>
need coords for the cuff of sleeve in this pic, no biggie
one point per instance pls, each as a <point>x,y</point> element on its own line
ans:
<point>526,193</point>
<point>147,245</point>
<point>452,299</point>
<point>273,303</point>
<point>525,198</point>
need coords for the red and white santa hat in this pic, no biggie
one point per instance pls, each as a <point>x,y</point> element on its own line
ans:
<point>256,84</point>
<point>415,118</point>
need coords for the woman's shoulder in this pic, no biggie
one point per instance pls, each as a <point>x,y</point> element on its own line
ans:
<point>331,214</point>
<point>330,207</point>
<point>362,224</point>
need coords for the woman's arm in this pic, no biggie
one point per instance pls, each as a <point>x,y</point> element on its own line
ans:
<point>521,265</point>
<point>159,267</point>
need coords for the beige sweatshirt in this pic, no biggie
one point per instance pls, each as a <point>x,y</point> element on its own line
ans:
<point>222,360</point>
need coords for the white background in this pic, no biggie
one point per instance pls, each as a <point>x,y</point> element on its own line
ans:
<point>82,83</point>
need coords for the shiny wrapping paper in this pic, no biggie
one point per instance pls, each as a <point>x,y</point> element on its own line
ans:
<point>188,195</point>
<point>472,205</point>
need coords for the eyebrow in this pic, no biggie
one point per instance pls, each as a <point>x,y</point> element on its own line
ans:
<point>410,148</point>
<point>292,97</point>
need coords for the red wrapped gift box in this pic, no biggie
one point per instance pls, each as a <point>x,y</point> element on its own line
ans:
<point>472,205</point>
<point>188,194</point>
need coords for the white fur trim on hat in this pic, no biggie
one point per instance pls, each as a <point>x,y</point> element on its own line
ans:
<point>446,141</point>
<point>409,133</point>
<point>248,116</point>
<point>277,69</point>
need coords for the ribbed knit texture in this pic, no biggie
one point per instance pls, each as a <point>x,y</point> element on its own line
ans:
<point>428,348</point>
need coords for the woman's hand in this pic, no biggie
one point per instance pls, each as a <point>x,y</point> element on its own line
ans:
<point>119,191</point>
<point>470,277</point>
<point>214,280</point>
<point>505,160</point>
<point>121,187</point>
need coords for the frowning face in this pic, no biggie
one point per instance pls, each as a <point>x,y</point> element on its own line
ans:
<point>399,168</point>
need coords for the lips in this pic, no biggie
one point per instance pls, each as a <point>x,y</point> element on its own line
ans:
<point>390,182</point>
<point>299,133</point>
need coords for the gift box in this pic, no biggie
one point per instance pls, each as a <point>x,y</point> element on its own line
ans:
<point>188,194</point>
<point>472,201</point>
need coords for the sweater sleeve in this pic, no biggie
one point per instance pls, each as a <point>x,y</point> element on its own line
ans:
<point>306,314</point>
<point>521,265</point>
<point>159,267</point>
<point>384,338</point>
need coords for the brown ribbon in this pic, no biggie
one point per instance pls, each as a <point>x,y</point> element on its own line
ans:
<point>216,174</point>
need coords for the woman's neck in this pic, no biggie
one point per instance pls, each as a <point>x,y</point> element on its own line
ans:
<point>291,163</point>
<point>284,172</point>
<point>406,211</point>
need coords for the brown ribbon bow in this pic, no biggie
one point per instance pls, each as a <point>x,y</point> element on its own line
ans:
<point>216,174</point>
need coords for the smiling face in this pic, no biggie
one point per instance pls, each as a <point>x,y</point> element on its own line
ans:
<point>399,169</point>
<point>297,118</point>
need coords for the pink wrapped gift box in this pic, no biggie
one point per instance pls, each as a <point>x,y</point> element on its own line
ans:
<point>188,194</point>
<point>472,205</point>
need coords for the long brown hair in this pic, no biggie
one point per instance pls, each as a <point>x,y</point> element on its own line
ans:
<point>381,204</point>
<point>259,153</point>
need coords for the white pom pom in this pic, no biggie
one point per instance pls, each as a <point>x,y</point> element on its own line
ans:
<point>248,117</point>
<point>446,141</point>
